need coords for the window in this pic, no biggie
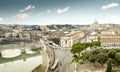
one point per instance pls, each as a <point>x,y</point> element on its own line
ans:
<point>66,42</point>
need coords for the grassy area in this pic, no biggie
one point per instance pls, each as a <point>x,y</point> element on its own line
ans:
<point>22,56</point>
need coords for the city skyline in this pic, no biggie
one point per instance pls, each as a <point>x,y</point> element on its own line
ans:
<point>44,12</point>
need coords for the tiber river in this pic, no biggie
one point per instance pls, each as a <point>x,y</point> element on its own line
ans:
<point>21,65</point>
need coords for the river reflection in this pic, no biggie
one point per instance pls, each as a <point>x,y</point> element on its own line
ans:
<point>22,65</point>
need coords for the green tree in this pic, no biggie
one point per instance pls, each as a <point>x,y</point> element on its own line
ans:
<point>90,45</point>
<point>117,57</point>
<point>101,58</point>
<point>109,67</point>
<point>84,56</point>
<point>96,44</point>
<point>76,58</point>
<point>111,54</point>
<point>86,45</point>
<point>81,47</point>
<point>104,50</point>
<point>92,58</point>
<point>92,55</point>
<point>77,48</point>
<point>56,40</point>
<point>97,51</point>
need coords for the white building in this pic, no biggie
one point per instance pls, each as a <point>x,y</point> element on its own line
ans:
<point>69,39</point>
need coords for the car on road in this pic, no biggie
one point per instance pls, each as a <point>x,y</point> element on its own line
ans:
<point>81,62</point>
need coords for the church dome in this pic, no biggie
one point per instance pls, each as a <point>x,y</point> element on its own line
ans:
<point>95,22</point>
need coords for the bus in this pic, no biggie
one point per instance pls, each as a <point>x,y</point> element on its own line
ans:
<point>55,66</point>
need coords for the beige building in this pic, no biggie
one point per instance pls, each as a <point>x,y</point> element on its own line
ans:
<point>2,34</point>
<point>44,28</point>
<point>69,39</point>
<point>110,38</point>
<point>107,38</point>
<point>30,34</point>
<point>92,37</point>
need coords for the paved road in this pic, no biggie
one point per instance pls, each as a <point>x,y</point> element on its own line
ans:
<point>45,64</point>
<point>48,58</point>
<point>50,52</point>
<point>64,56</point>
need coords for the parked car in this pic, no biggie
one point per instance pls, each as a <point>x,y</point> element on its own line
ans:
<point>81,62</point>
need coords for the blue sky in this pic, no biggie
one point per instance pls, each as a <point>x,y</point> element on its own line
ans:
<point>44,12</point>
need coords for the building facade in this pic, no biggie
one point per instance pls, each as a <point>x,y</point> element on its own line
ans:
<point>107,38</point>
<point>110,40</point>
<point>69,39</point>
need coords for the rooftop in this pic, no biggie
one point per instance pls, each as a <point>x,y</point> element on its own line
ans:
<point>72,33</point>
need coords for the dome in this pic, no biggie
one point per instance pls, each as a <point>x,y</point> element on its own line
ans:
<point>95,22</point>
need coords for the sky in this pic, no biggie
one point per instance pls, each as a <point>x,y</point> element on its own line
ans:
<point>45,12</point>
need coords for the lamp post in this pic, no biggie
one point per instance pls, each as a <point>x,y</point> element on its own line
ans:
<point>75,65</point>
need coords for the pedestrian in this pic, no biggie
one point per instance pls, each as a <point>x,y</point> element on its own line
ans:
<point>60,64</point>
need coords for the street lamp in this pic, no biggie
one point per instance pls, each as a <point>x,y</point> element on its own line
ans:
<point>75,67</point>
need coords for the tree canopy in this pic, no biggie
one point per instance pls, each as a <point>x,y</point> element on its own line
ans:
<point>78,47</point>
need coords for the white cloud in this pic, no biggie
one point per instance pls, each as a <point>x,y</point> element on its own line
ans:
<point>59,11</point>
<point>2,20</point>
<point>113,19</point>
<point>110,6</point>
<point>27,8</point>
<point>48,11</point>
<point>21,16</point>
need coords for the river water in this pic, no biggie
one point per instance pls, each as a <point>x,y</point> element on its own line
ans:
<point>21,65</point>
